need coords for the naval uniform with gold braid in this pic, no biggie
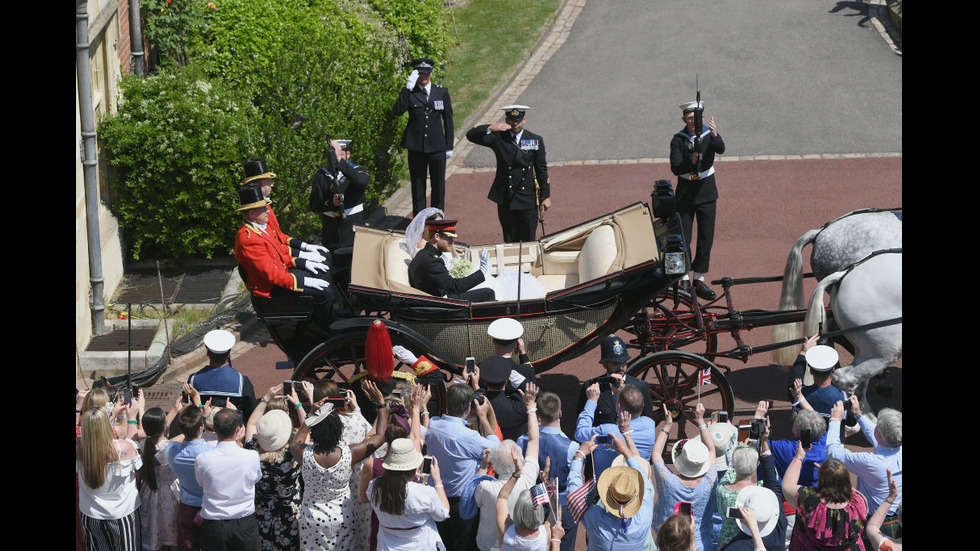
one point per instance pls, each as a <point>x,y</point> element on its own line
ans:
<point>428,135</point>
<point>519,164</point>
<point>270,272</point>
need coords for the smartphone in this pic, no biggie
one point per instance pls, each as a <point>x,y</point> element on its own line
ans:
<point>185,397</point>
<point>470,364</point>
<point>602,439</point>
<point>427,464</point>
<point>136,391</point>
<point>396,393</point>
<point>733,512</point>
<point>219,401</point>
<point>722,416</point>
<point>338,402</point>
<point>685,507</point>
<point>287,387</point>
<point>805,438</point>
<point>127,396</point>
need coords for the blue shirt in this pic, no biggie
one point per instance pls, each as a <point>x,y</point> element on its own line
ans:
<point>561,449</point>
<point>181,456</point>
<point>783,452</point>
<point>869,467</point>
<point>822,399</point>
<point>605,530</point>
<point>458,450</point>
<point>644,434</point>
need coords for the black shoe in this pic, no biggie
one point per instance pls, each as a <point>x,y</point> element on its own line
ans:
<point>703,290</point>
<point>684,285</point>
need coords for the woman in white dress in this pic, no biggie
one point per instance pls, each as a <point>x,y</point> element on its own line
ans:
<point>327,514</point>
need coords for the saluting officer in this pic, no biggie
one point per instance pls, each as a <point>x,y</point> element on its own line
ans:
<point>429,133</point>
<point>520,161</point>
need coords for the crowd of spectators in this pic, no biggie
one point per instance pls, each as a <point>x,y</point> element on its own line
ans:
<point>306,471</point>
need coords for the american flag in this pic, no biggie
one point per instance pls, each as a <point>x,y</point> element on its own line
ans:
<point>704,377</point>
<point>539,495</point>
<point>580,500</point>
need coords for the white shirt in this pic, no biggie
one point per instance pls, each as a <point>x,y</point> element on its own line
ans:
<point>487,534</point>
<point>228,475</point>
<point>118,495</point>
<point>415,529</point>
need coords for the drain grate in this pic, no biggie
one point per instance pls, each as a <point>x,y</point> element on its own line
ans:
<point>119,340</point>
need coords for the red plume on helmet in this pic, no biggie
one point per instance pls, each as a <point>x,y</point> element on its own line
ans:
<point>377,352</point>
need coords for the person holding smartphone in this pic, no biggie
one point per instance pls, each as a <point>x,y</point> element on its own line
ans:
<point>218,379</point>
<point>629,400</point>
<point>613,360</point>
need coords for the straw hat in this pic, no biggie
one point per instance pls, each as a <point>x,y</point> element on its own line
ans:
<point>402,456</point>
<point>691,457</point>
<point>273,430</point>
<point>621,490</point>
<point>763,503</point>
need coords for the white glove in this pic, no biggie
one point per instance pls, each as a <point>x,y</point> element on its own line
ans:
<point>410,84</point>
<point>449,153</point>
<point>318,248</point>
<point>485,261</point>
<point>403,355</point>
<point>316,283</point>
<point>312,255</point>
<point>316,267</point>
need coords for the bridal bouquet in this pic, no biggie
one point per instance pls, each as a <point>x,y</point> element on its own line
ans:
<point>460,267</point>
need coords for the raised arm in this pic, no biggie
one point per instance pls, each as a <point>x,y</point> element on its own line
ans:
<point>503,511</point>
<point>530,395</point>
<point>791,477</point>
<point>662,434</point>
<point>873,529</point>
<point>365,448</point>
<point>259,411</point>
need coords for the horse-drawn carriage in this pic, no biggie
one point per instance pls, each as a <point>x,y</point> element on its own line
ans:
<point>615,272</point>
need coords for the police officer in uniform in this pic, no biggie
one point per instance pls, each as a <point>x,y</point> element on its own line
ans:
<point>339,212</point>
<point>508,405</point>
<point>268,269</point>
<point>613,360</point>
<point>520,161</point>
<point>696,191</point>
<point>218,380</point>
<point>428,272</point>
<point>429,134</point>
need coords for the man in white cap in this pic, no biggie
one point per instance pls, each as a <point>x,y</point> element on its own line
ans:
<point>219,380</point>
<point>692,157</point>
<point>521,162</point>
<point>507,335</point>
<point>822,394</point>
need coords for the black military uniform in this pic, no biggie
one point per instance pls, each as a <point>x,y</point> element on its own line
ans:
<point>696,192</point>
<point>508,405</point>
<point>428,136</point>
<point>520,160</point>
<point>428,273</point>
<point>337,231</point>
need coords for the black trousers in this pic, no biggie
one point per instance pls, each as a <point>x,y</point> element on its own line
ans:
<point>517,225</point>
<point>322,300</point>
<point>435,164</point>
<point>338,232</point>
<point>457,533</point>
<point>704,214</point>
<point>240,534</point>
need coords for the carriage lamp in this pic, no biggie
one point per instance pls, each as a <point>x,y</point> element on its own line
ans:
<point>663,199</point>
<point>675,255</point>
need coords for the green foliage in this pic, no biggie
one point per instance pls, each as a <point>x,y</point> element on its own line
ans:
<point>422,28</point>
<point>171,23</point>
<point>176,148</point>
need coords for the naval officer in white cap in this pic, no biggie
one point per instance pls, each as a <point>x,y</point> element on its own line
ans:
<point>507,338</point>
<point>696,191</point>
<point>521,188</point>
<point>219,380</point>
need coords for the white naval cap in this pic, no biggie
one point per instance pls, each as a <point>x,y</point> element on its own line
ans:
<point>691,106</point>
<point>505,329</point>
<point>822,358</point>
<point>219,341</point>
<point>515,112</point>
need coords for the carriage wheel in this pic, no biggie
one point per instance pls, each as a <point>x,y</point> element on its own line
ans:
<point>342,356</point>
<point>665,333</point>
<point>673,378</point>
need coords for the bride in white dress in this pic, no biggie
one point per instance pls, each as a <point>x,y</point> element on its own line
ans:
<point>504,284</point>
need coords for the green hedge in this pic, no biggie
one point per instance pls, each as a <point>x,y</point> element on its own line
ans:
<point>300,69</point>
<point>176,148</point>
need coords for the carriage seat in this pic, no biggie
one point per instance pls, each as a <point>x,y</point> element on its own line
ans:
<point>292,308</point>
<point>565,268</point>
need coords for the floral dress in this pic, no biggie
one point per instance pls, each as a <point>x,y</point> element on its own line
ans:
<point>277,501</point>
<point>356,429</point>
<point>819,527</point>
<point>327,513</point>
<point>726,498</point>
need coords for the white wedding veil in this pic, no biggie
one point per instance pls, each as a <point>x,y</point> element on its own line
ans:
<point>415,229</point>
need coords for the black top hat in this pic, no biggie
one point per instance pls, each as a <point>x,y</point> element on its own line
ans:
<point>613,350</point>
<point>250,197</point>
<point>255,169</point>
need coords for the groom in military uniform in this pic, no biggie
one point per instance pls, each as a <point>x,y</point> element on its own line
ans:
<point>520,161</point>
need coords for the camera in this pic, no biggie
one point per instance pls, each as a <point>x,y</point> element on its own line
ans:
<point>756,428</point>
